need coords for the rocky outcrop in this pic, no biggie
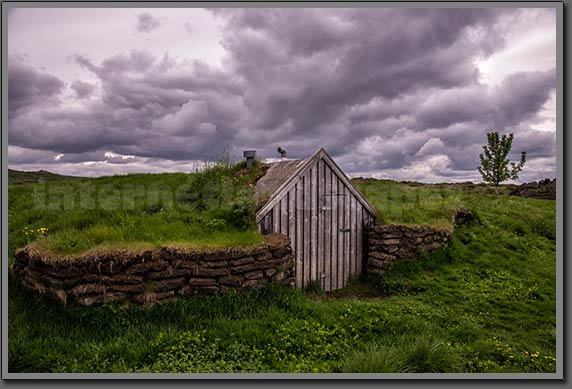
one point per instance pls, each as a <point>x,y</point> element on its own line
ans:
<point>543,189</point>
<point>149,276</point>
<point>463,215</point>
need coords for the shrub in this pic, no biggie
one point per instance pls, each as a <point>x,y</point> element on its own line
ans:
<point>209,189</point>
<point>223,195</point>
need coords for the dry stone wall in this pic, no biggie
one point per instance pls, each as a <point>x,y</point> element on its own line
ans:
<point>543,189</point>
<point>389,243</point>
<point>149,276</point>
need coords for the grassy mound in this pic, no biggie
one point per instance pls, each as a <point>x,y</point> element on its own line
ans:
<point>211,208</point>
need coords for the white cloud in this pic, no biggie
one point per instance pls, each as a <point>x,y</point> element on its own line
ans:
<point>432,146</point>
<point>110,154</point>
<point>530,46</point>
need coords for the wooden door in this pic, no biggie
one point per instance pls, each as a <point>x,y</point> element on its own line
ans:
<point>339,251</point>
<point>325,223</point>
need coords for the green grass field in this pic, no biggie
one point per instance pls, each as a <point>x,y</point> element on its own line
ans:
<point>484,303</point>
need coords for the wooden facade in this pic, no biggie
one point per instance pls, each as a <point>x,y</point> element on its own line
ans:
<point>324,215</point>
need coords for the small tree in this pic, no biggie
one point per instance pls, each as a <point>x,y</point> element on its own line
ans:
<point>494,163</point>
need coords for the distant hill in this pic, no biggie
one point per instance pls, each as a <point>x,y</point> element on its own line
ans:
<point>19,177</point>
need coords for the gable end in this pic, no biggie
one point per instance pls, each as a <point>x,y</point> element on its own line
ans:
<point>303,167</point>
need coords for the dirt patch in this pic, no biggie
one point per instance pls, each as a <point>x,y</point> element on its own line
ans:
<point>341,294</point>
<point>355,290</point>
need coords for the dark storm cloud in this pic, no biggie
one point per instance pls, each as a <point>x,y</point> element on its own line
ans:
<point>518,98</point>
<point>447,107</point>
<point>147,23</point>
<point>308,66</point>
<point>143,110</point>
<point>82,89</point>
<point>521,96</point>
<point>376,95</point>
<point>29,87</point>
<point>20,155</point>
<point>537,144</point>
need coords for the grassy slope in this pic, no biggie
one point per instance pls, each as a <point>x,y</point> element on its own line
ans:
<point>20,177</point>
<point>486,303</point>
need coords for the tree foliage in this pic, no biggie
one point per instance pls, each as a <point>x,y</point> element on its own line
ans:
<point>495,164</point>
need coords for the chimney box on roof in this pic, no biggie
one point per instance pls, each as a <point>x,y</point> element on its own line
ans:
<point>249,155</point>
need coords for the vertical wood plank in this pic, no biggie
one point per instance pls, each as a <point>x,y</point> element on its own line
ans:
<point>299,233</point>
<point>307,227</point>
<point>321,224</point>
<point>314,222</point>
<point>342,235</point>
<point>356,237</point>
<point>351,235</point>
<point>347,226</point>
<point>266,224</point>
<point>284,214</point>
<point>335,228</point>
<point>327,213</point>
<point>359,238</point>
<point>292,218</point>
<point>276,218</point>
<point>342,240</point>
<point>355,260</point>
<point>354,234</point>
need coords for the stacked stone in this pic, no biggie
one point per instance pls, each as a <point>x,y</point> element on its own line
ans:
<point>389,243</point>
<point>150,276</point>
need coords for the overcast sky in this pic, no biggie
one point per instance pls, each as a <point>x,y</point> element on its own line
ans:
<point>406,94</point>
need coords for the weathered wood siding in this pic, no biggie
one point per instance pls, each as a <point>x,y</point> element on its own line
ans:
<point>327,226</point>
